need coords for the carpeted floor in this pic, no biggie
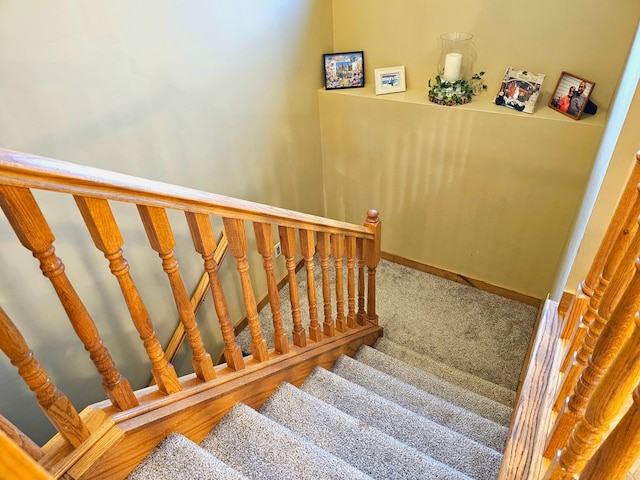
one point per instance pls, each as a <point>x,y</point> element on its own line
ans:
<point>458,325</point>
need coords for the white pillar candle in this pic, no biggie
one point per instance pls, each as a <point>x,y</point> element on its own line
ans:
<point>452,66</point>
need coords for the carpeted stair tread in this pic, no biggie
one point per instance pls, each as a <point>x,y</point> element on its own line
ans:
<point>359,444</point>
<point>178,458</point>
<point>411,428</point>
<point>263,449</point>
<point>461,378</point>
<point>455,394</point>
<point>454,417</point>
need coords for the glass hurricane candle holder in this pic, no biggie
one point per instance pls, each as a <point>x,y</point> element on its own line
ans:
<point>456,56</point>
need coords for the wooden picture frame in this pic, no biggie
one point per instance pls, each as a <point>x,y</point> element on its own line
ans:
<point>343,70</point>
<point>390,80</point>
<point>571,95</point>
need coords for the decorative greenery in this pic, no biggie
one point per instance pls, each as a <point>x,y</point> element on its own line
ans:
<point>458,92</point>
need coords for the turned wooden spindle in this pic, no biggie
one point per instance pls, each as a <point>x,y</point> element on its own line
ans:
<point>158,229</point>
<point>601,344</point>
<point>350,244</point>
<point>107,238</point>
<point>371,252</point>
<point>328,325</point>
<point>237,236</point>
<point>205,244</point>
<point>288,244</point>
<point>621,448</point>
<point>264,242</point>
<point>307,248</point>
<point>586,288</point>
<point>361,311</point>
<point>32,229</point>
<point>608,398</point>
<point>337,249</point>
<point>56,406</point>
<point>626,231</point>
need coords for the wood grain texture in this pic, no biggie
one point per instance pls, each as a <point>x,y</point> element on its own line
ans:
<point>26,170</point>
<point>195,410</point>
<point>533,416</point>
<point>16,464</point>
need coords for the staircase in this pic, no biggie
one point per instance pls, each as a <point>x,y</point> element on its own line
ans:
<point>370,416</point>
<point>314,401</point>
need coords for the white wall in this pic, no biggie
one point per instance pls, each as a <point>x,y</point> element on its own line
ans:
<point>219,96</point>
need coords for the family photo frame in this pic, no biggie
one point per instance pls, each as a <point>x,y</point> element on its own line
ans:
<point>571,95</point>
<point>343,70</point>
<point>390,80</point>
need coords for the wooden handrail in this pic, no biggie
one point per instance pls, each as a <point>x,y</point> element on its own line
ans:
<point>33,171</point>
<point>93,191</point>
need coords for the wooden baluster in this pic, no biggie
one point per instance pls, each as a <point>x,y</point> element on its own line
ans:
<point>205,244</point>
<point>361,311</point>
<point>156,224</point>
<point>288,243</point>
<point>598,351</point>
<point>238,246</point>
<point>586,288</point>
<point>614,388</point>
<point>337,248</point>
<point>56,406</point>
<point>329,328</point>
<point>106,236</point>
<point>307,247</point>
<point>371,252</point>
<point>24,215</point>
<point>621,448</point>
<point>264,241</point>
<point>625,229</point>
<point>584,338</point>
<point>351,288</point>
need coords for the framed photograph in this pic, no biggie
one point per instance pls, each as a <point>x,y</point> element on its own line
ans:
<point>390,80</point>
<point>571,95</point>
<point>519,90</point>
<point>343,70</point>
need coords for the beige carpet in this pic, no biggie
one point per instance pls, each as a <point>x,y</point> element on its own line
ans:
<point>458,325</point>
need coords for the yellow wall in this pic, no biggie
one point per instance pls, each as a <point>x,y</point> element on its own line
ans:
<point>479,190</point>
<point>219,96</point>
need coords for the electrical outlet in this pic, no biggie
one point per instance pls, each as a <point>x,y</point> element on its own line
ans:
<point>277,249</point>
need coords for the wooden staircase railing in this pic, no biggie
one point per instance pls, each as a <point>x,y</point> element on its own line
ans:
<point>599,337</point>
<point>107,439</point>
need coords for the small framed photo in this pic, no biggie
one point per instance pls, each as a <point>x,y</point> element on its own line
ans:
<point>519,90</point>
<point>343,70</point>
<point>390,80</point>
<point>571,95</point>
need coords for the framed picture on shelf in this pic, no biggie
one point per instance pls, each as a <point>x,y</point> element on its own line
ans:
<point>343,70</point>
<point>390,80</point>
<point>571,95</point>
<point>519,90</point>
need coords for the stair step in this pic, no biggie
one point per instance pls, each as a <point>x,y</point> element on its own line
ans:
<point>177,457</point>
<point>459,452</point>
<point>463,379</point>
<point>454,394</point>
<point>359,444</point>
<point>261,448</point>
<point>454,417</point>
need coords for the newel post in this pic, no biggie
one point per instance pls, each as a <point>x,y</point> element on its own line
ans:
<point>371,254</point>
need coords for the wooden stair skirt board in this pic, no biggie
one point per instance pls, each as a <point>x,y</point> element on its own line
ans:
<point>197,409</point>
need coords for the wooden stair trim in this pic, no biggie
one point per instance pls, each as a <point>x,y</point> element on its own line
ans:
<point>533,414</point>
<point>196,414</point>
<point>61,458</point>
